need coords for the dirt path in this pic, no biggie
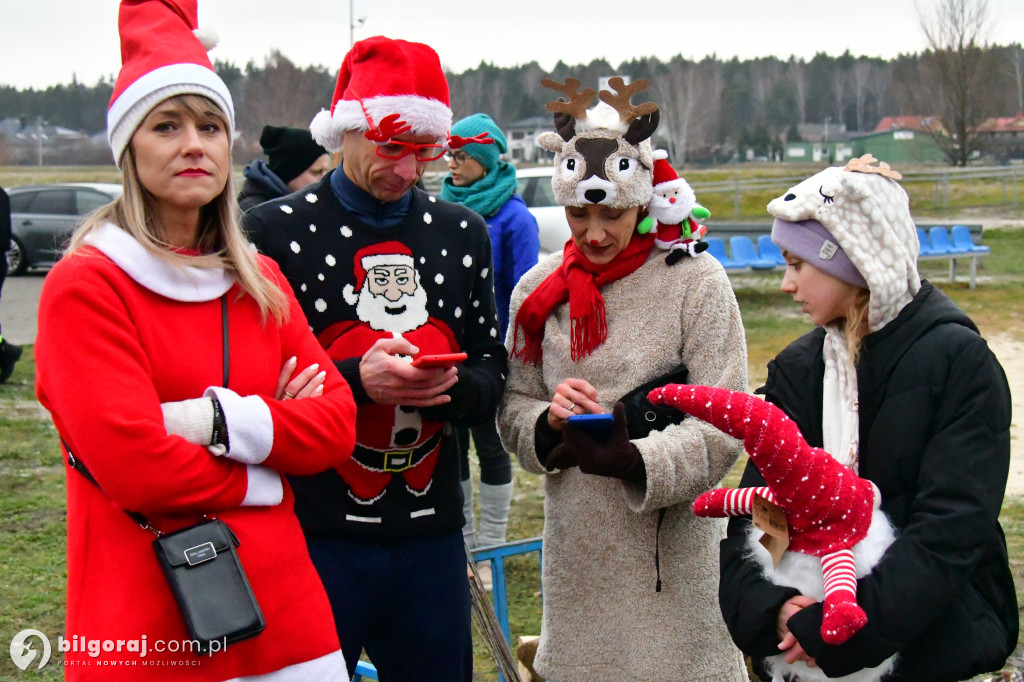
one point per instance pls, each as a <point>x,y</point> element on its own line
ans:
<point>1010,352</point>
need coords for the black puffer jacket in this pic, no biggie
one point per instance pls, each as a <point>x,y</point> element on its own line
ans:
<point>261,185</point>
<point>934,433</point>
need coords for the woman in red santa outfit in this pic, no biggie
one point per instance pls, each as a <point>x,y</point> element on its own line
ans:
<point>161,335</point>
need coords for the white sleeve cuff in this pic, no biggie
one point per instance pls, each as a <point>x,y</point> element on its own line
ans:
<point>265,487</point>
<point>250,426</point>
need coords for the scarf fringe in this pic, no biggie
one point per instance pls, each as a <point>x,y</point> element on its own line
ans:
<point>588,332</point>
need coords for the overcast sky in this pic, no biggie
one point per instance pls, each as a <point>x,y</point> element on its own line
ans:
<point>46,42</point>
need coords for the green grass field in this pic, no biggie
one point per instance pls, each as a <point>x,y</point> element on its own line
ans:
<point>32,502</point>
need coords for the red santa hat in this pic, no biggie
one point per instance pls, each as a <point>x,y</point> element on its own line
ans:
<point>380,77</point>
<point>663,170</point>
<point>163,54</point>
<point>384,253</point>
<point>828,507</point>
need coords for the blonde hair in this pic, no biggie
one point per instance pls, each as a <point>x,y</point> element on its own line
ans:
<point>853,325</point>
<point>220,239</point>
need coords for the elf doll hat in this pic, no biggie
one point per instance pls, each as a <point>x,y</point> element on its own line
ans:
<point>379,78</point>
<point>163,54</point>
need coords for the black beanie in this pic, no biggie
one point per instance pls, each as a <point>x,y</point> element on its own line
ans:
<point>291,151</point>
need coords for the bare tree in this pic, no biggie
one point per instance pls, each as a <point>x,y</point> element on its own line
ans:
<point>282,94</point>
<point>955,34</point>
<point>688,96</point>
<point>798,75</point>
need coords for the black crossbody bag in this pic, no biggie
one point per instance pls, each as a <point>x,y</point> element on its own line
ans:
<point>202,567</point>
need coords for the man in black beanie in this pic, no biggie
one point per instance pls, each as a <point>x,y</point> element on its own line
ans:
<point>295,161</point>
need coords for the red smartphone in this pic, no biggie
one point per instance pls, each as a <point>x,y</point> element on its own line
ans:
<point>439,360</point>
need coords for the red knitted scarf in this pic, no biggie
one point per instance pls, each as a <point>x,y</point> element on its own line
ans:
<point>579,281</point>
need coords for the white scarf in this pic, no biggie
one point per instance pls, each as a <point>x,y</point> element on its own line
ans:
<point>840,418</point>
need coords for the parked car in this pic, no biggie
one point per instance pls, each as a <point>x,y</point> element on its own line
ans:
<point>535,188</point>
<point>43,218</point>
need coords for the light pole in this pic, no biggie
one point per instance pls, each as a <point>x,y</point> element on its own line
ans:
<point>353,23</point>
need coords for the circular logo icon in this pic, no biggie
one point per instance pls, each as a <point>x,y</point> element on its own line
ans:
<point>22,652</point>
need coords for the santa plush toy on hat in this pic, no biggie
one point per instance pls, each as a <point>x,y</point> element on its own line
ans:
<point>837,531</point>
<point>673,213</point>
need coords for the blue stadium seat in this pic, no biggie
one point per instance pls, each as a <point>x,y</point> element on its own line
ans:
<point>925,245</point>
<point>939,238</point>
<point>962,240</point>
<point>767,249</point>
<point>744,253</point>
<point>716,247</point>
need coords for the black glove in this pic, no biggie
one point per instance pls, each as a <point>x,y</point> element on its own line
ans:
<point>611,455</point>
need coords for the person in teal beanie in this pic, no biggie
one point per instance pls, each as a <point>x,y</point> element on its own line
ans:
<point>480,180</point>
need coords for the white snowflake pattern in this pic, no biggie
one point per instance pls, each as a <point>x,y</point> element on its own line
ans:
<point>444,252</point>
<point>346,231</point>
<point>331,260</point>
<point>312,227</point>
<point>423,260</point>
<point>494,333</point>
<point>481,320</point>
<point>295,247</point>
<point>427,218</point>
<point>476,304</point>
<point>483,273</point>
<point>458,313</point>
<point>439,278</point>
<point>464,224</point>
<point>433,200</point>
<point>440,303</point>
<point>320,305</point>
<point>286,209</point>
<point>303,287</point>
<point>467,261</point>
<point>311,198</point>
<point>320,277</point>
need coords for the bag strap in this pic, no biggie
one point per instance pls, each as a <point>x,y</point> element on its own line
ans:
<point>79,466</point>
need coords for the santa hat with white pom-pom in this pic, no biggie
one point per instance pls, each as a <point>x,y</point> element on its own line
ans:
<point>163,54</point>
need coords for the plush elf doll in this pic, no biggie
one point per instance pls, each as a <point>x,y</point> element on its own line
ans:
<point>836,531</point>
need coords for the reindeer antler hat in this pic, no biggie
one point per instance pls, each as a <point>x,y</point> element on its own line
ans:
<point>602,155</point>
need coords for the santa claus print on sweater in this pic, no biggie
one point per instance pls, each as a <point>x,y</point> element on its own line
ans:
<point>390,303</point>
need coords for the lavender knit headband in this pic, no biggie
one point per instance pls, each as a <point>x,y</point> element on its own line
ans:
<point>809,241</point>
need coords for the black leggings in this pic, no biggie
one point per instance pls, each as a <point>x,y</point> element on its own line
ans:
<point>495,463</point>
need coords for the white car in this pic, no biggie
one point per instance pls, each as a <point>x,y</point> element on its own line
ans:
<point>535,188</point>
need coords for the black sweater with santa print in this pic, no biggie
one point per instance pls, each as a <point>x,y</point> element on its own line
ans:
<point>403,479</point>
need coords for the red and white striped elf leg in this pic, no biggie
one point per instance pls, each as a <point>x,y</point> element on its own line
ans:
<point>729,501</point>
<point>843,615</point>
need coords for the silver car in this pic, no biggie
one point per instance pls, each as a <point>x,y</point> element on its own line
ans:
<point>43,218</point>
<point>535,188</point>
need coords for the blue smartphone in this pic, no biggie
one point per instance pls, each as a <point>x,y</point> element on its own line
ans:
<point>595,423</point>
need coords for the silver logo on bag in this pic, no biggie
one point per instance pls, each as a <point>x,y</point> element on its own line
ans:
<point>200,554</point>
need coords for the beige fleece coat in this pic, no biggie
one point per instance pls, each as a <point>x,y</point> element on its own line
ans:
<point>602,618</point>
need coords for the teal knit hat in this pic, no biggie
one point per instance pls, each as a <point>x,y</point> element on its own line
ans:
<point>486,154</point>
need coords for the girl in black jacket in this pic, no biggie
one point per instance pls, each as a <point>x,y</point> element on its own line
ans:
<point>896,383</point>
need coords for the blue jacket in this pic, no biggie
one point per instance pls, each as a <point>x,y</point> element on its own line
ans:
<point>515,243</point>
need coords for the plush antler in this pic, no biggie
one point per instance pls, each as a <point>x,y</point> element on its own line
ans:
<point>576,106</point>
<point>620,100</point>
<point>828,507</point>
<point>863,165</point>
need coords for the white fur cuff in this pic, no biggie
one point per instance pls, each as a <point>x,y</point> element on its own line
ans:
<point>265,488</point>
<point>250,425</point>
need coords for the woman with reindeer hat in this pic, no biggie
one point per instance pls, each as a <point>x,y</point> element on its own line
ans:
<point>629,571</point>
<point>910,413</point>
<point>160,337</point>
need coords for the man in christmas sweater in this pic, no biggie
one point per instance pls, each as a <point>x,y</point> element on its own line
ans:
<point>385,273</point>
